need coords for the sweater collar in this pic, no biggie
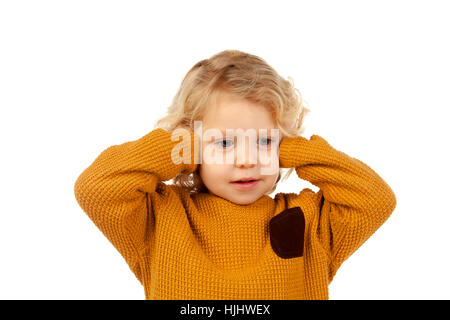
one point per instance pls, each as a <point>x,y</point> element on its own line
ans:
<point>262,202</point>
<point>221,209</point>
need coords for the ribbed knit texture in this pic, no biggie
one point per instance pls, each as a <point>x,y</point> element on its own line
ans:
<point>202,246</point>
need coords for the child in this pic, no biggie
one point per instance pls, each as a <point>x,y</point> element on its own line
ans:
<point>207,236</point>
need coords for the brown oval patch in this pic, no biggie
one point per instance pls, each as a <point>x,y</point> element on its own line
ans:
<point>287,231</point>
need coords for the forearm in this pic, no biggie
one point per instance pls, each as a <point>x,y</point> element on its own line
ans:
<point>344,180</point>
<point>121,171</point>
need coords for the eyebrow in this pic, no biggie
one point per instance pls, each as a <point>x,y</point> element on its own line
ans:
<point>268,135</point>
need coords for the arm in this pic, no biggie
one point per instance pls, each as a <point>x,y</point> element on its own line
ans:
<point>114,190</point>
<point>353,201</point>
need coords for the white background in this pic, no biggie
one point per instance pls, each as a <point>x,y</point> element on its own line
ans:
<point>79,76</point>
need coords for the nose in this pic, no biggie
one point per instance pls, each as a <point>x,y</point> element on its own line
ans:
<point>245,155</point>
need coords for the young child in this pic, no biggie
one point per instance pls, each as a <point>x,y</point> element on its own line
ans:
<point>207,236</point>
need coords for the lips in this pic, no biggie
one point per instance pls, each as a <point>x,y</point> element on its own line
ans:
<point>243,184</point>
<point>245,180</point>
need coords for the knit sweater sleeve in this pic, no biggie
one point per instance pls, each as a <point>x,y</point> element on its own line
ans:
<point>114,190</point>
<point>353,200</point>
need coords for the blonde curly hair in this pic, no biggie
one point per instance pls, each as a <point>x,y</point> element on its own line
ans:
<point>248,77</point>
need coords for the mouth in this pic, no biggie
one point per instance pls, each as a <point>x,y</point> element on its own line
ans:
<point>246,183</point>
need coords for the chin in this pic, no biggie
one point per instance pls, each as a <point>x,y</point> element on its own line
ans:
<point>241,202</point>
<point>244,201</point>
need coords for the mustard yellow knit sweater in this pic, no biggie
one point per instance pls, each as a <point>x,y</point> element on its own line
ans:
<point>202,246</point>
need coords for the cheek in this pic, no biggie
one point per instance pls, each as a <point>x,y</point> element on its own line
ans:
<point>213,172</point>
<point>212,155</point>
<point>269,162</point>
<point>267,156</point>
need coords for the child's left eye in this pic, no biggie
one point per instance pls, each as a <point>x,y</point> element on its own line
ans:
<point>265,141</point>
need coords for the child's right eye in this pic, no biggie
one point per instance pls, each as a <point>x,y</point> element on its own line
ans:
<point>224,143</point>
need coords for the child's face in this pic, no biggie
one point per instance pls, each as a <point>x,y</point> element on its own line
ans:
<point>241,158</point>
